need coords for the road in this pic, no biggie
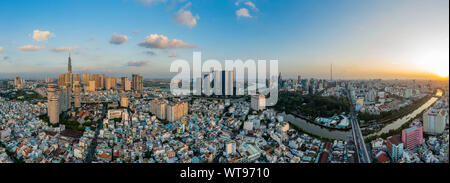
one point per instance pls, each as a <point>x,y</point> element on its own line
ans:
<point>93,146</point>
<point>358,138</point>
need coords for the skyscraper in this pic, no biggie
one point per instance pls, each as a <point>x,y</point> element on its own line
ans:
<point>86,79</point>
<point>77,88</point>
<point>137,82</point>
<point>53,104</point>
<point>69,65</point>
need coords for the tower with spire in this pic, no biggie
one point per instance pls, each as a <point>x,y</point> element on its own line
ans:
<point>69,69</point>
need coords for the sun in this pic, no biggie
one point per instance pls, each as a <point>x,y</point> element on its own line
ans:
<point>435,62</point>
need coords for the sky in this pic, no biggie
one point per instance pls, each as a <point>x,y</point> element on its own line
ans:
<point>362,39</point>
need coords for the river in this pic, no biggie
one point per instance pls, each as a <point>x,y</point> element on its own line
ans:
<point>399,122</point>
<point>347,135</point>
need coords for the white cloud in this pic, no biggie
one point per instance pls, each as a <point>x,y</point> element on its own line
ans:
<point>118,39</point>
<point>162,42</point>
<point>41,35</point>
<point>30,48</point>
<point>63,49</point>
<point>150,2</point>
<point>136,63</point>
<point>243,12</point>
<point>185,17</point>
<point>251,5</point>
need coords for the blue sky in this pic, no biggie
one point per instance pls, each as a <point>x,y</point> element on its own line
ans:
<point>362,38</point>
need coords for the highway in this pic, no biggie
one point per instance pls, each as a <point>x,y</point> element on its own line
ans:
<point>358,138</point>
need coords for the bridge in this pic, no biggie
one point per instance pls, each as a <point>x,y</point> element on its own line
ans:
<point>358,138</point>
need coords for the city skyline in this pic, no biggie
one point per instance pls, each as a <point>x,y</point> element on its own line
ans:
<point>363,40</point>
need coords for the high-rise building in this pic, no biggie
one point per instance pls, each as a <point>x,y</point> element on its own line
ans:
<point>102,82</point>
<point>61,79</point>
<point>123,100</point>
<point>434,121</point>
<point>176,110</point>
<point>224,82</point>
<point>127,84</point>
<point>206,85</point>
<point>258,102</point>
<point>69,65</point>
<point>77,78</point>
<point>412,137</point>
<point>137,82</point>
<point>90,87</point>
<point>110,83</point>
<point>158,108</point>
<point>394,148</point>
<point>53,104</point>
<point>86,79</point>
<point>228,84</point>
<point>97,79</point>
<point>77,90</point>
<point>18,82</point>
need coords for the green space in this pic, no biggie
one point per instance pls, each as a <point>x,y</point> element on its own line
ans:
<point>24,95</point>
<point>311,106</point>
<point>68,123</point>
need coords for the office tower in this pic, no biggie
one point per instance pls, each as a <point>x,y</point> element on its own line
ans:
<point>217,83</point>
<point>53,104</point>
<point>206,85</point>
<point>69,97</point>
<point>137,82</point>
<point>86,79</point>
<point>224,82</point>
<point>68,79</point>
<point>228,82</point>
<point>299,79</point>
<point>69,65</point>
<point>77,88</point>
<point>434,121</point>
<point>197,86</point>
<point>412,137</point>
<point>280,81</point>
<point>258,102</point>
<point>123,100</point>
<point>18,82</point>
<point>331,72</point>
<point>61,79</point>
<point>394,148</point>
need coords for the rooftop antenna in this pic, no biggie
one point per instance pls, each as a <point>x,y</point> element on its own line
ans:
<point>331,69</point>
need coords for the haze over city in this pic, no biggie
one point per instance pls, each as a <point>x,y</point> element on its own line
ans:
<point>362,39</point>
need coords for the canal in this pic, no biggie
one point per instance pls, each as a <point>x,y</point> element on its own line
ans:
<point>315,129</point>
